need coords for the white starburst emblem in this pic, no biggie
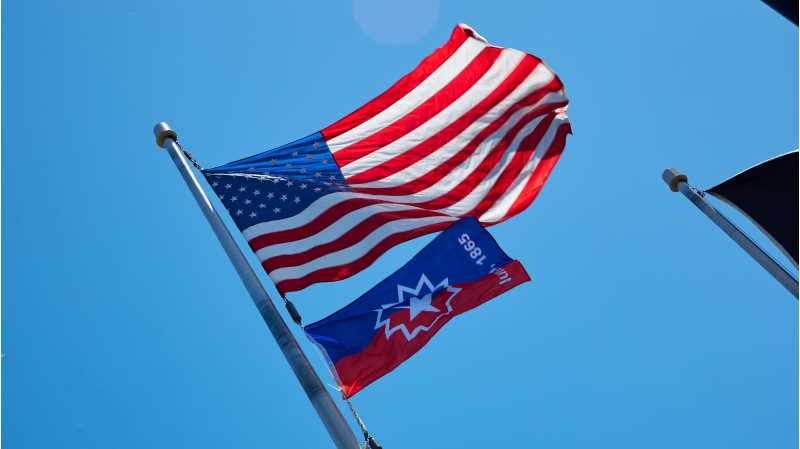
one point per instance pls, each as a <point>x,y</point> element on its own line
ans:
<point>417,300</point>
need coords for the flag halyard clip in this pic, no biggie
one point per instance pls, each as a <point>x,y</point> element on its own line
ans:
<point>293,312</point>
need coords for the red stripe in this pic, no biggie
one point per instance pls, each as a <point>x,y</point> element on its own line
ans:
<point>521,156</point>
<point>400,88</point>
<point>446,167</point>
<point>351,237</point>
<point>320,222</point>
<point>422,113</point>
<point>344,271</point>
<point>540,174</point>
<point>445,135</point>
<point>482,171</point>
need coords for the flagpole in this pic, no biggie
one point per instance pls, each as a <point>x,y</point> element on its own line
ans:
<point>678,182</point>
<point>340,432</point>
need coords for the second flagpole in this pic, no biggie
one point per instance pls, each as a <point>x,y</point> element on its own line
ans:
<point>678,182</point>
<point>340,432</point>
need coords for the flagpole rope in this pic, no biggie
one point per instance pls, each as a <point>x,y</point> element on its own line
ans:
<point>190,157</point>
<point>369,440</point>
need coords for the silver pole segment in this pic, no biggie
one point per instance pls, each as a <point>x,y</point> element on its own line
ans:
<point>337,427</point>
<point>678,182</point>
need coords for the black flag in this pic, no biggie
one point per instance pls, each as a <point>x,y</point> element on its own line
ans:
<point>787,8</point>
<point>767,194</point>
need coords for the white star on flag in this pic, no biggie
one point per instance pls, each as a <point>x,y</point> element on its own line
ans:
<point>416,305</point>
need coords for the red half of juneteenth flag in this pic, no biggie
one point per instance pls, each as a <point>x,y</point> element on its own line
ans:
<point>459,270</point>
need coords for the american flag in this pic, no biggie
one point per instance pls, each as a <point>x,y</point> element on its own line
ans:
<point>473,130</point>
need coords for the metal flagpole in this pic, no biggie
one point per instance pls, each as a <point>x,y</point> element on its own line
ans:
<point>337,427</point>
<point>678,182</point>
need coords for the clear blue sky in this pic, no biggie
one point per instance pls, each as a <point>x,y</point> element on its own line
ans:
<point>124,326</point>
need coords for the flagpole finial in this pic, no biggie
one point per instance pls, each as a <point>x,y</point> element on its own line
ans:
<point>673,177</point>
<point>163,132</point>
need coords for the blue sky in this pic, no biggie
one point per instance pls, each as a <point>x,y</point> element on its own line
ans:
<point>123,324</point>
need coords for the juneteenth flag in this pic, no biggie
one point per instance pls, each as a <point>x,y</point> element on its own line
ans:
<point>474,130</point>
<point>462,268</point>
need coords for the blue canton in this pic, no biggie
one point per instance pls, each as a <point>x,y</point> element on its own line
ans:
<point>278,183</point>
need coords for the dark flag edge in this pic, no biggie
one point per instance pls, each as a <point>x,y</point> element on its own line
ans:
<point>760,167</point>
<point>787,8</point>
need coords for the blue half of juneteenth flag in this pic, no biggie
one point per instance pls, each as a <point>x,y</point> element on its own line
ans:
<point>460,269</point>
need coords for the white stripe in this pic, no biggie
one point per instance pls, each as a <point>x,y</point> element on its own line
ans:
<point>466,168</point>
<point>454,65</point>
<point>497,73</point>
<point>501,206</point>
<point>480,191</point>
<point>354,252</point>
<point>330,233</point>
<point>538,78</point>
